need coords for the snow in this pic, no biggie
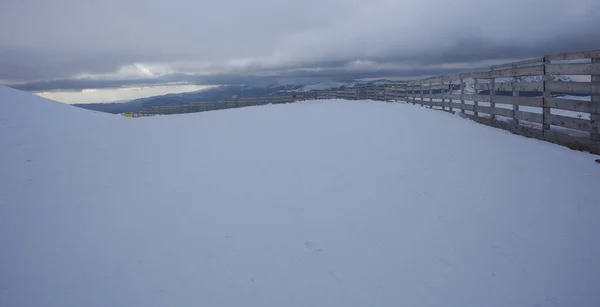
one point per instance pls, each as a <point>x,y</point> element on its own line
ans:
<point>322,203</point>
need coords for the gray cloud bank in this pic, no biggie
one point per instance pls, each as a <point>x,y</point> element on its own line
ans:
<point>81,44</point>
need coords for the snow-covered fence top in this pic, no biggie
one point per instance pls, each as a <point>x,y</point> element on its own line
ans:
<point>554,98</point>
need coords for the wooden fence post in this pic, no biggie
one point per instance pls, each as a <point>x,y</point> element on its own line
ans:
<point>443,94</point>
<point>492,94</point>
<point>515,94</point>
<point>413,92</point>
<point>546,95</point>
<point>595,110</point>
<point>450,88</point>
<point>462,93</point>
<point>421,88</point>
<point>475,94</point>
<point>430,95</point>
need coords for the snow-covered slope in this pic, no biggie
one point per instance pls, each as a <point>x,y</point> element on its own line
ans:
<point>25,117</point>
<point>328,203</point>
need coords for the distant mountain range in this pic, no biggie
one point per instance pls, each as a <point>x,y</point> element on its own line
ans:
<point>218,93</point>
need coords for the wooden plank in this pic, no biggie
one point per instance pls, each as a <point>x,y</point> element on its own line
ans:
<point>529,86</point>
<point>462,107</point>
<point>474,98</point>
<point>517,129</point>
<point>572,105</point>
<point>495,111</point>
<point>522,101</point>
<point>516,72</point>
<point>437,86</point>
<point>519,63</point>
<point>573,55</point>
<point>573,69</point>
<point>467,97</point>
<point>437,79</point>
<point>451,96</point>
<point>528,116</point>
<point>479,75</point>
<point>434,96</point>
<point>435,103</point>
<point>571,123</point>
<point>509,86</point>
<point>424,102</point>
<point>503,112</point>
<point>484,109</point>
<point>573,87</point>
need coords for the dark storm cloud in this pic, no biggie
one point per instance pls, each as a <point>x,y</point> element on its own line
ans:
<point>82,44</point>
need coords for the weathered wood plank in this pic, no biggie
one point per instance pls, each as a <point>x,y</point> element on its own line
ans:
<point>478,75</point>
<point>572,105</point>
<point>529,117</point>
<point>467,97</point>
<point>517,129</point>
<point>573,87</point>
<point>571,123</point>
<point>509,86</point>
<point>415,100</point>
<point>573,55</point>
<point>503,112</point>
<point>522,101</point>
<point>484,109</point>
<point>434,96</point>
<point>573,69</point>
<point>425,102</point>
<point>437,87</point>
<point>520,71</point>
<point>463,107</point>
<point>495,111</point>
<point>519,63</point>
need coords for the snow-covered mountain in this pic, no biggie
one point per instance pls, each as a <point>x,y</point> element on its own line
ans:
<point>326,85</point>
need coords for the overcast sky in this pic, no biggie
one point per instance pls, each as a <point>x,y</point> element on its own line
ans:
<point>128,39</point>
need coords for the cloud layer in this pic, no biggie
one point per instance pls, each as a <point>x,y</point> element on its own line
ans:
<point>131,39</point>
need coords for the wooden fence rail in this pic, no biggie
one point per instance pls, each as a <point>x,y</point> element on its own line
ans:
<point>530,98</point>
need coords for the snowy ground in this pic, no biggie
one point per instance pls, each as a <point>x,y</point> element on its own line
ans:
<point>328,203</point>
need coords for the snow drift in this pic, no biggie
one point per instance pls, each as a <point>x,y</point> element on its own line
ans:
<point>328,203</point>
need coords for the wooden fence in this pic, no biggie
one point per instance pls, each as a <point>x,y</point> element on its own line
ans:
<point>554,98</point>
